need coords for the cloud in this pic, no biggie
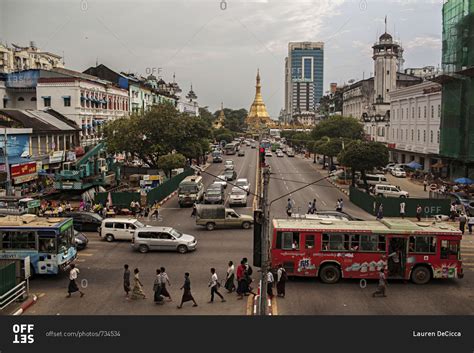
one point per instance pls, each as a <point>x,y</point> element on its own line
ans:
<point>425,42</point>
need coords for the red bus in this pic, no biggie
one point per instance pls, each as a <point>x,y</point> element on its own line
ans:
<point>337,249</point>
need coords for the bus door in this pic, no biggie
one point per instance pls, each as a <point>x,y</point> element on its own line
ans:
<point>397,257</point>
<point>307,264</point>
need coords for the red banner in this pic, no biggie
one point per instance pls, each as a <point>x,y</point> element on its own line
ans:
<point>23,169</point>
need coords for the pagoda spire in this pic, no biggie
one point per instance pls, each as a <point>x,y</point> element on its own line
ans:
<point>258,114</point>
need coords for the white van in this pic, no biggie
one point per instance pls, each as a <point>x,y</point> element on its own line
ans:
<point>119,228</point>
<point>190,190</point>
<point>389,190</point>
<point>373,179</point>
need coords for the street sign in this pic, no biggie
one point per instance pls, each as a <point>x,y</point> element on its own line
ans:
<point>433,187</point>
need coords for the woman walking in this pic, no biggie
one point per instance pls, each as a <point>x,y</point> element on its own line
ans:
<point>126,280</point>
<point>137,291</point>
<point>165,280</point>
<point>281,281</point>
<point>72,288</point>
<point>229,283</point>
<point>187,296</point>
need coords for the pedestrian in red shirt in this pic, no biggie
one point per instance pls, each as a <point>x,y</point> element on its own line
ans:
<point>241,280</point>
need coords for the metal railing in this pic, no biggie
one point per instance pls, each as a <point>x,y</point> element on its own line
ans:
<point>13,294</point>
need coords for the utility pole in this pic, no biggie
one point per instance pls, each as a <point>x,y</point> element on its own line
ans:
<point>265,242</point>
<point>5,159</point>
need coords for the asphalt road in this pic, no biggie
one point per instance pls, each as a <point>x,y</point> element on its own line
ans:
<point>101,265</point>
<point>308,296</point>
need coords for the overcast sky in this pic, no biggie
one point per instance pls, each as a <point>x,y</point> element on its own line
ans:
<point>217,45</point>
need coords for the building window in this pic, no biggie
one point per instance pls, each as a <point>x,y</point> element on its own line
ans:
<point>431,136</point>
<point>397,134</point>
<point>424,135</point>
<point>418,135</point>
<point>67,101</point>
<point>388,72</point>
<point>439,110</point>
<point>412,134</point>
<point>406,134</point>
<point>437,138</point>
<point>413,112</point>
<point>408,116</point>
<point>402,114</point>
<point>432,111</point>
<point>47,101</point>
<point>424,112</point>
<point>419,112</point>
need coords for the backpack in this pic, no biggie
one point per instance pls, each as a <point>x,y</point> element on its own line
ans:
<point>249,270</point>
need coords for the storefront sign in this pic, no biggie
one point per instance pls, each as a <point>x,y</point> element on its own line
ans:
<point>25,178</point>
<point>57,157</point>
<point>17,170</point>
<point>71,156</point>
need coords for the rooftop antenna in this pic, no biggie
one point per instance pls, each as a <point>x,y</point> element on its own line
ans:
<point>174,76</point>
<point>385,23</point>
<point>63,59</point>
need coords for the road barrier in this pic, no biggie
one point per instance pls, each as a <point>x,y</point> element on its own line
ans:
<point>391,205</point>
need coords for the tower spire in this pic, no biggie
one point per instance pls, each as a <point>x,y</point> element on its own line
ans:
<point>385,23</point>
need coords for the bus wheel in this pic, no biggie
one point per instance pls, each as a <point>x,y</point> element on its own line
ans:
<point>210,226</point>
<point>421,275</point>
<point>330,274</point>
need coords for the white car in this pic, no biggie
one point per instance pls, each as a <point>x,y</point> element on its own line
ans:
<point>238,197</point>
<point>389,191</point>
<point>389,167</point>
<point>221,179</point>
<point>280,154</point>
<point>229,165</point>
<point>268,153</point>
<point>398,172</point>
<point>244,184</point>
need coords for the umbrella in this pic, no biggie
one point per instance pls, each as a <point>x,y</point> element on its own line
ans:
<point>466,181</point>
<point>414,165</point>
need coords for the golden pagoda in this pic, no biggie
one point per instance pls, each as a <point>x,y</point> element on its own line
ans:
<point>258,116</point>
<point>219,123</point>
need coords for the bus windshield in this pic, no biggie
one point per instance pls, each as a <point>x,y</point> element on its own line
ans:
<point>188,188</point>
<point>65,239</point>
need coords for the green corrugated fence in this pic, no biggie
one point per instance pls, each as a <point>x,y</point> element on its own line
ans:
<point>7,277</point>
<point>168,187</point>
<point>391,205</point>
<point>119,199</point>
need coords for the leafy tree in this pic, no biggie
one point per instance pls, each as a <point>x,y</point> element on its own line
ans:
<point>234,119</point>
<point>206,116</point>
<point>364,156</point>
<point>338,126</point>
<point>171,161</point>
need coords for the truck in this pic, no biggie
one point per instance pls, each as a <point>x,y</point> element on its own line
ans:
<point>212,216</point>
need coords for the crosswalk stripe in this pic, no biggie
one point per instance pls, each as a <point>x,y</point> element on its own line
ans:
<point>85,254</point>
<point>80,260</point>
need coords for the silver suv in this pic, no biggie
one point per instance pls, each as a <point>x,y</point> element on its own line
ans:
<point>162,238</point>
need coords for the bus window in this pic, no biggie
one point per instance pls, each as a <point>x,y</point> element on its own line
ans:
<point>454,249</point>
<point>309,242</point>
<point>449,249</point>
<point>369,242</point>
<point>6,240</point>
<point>285,240</point>
<point>381,244</point>
<point>335,242</point>
<point>423,244</point>
<point>26,240</point>
<point>47,244</point>
<point>355,242</point>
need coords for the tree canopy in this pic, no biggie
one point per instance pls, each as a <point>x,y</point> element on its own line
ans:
<point>171,161</point>
<point>158,132</point>
<point>338,126</point>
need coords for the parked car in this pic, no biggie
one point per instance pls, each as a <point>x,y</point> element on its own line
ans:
<point>229,165</point>
<point>241,153</point>
<point>230,174</point>
<point>212,216</point>
<point>372,179</point>
<point>214,194</point>
<point>290,153</point>
<point>280,154</point>
<point>162,238</point>
<point>389,167</point>
<point>85,221</point>
<point>244,184</point>
<point>238,197</point>
<point>119,228</point>
<point>389,191</point>
<point>221,179</point>
<point>81,240</point>
<point>398,172</point>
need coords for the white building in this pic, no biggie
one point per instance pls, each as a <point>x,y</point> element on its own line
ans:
<point>414,134</point>
<point>85,99</point>
<point>188,104</point>
<point>16,58</point>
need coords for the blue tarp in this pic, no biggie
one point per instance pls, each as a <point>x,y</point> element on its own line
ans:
<point>464,181</point>
<point>414,165</point>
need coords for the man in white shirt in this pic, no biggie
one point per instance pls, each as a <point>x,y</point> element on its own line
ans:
<point>72,288</point>
<point>402,209</point>
<point>470,223</point>
<point>214,284</point>
<point>270,281</point>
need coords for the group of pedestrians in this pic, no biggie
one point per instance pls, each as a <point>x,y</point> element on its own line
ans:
<point>312,207</point>
<point>281,279</point>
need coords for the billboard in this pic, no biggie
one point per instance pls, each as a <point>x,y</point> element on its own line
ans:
<point>23,79</point>
<point>16,144</point>
<point>23,169</point>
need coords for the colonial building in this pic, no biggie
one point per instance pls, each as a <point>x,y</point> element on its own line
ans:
<point>189,104</point>
<point>17,58</point>
<point>369,100</point>
<point>414,130</point>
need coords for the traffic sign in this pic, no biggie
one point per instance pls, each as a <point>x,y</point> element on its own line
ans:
<point>433,187</point>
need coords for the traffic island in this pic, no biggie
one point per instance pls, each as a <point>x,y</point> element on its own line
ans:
<point>25,305</point>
